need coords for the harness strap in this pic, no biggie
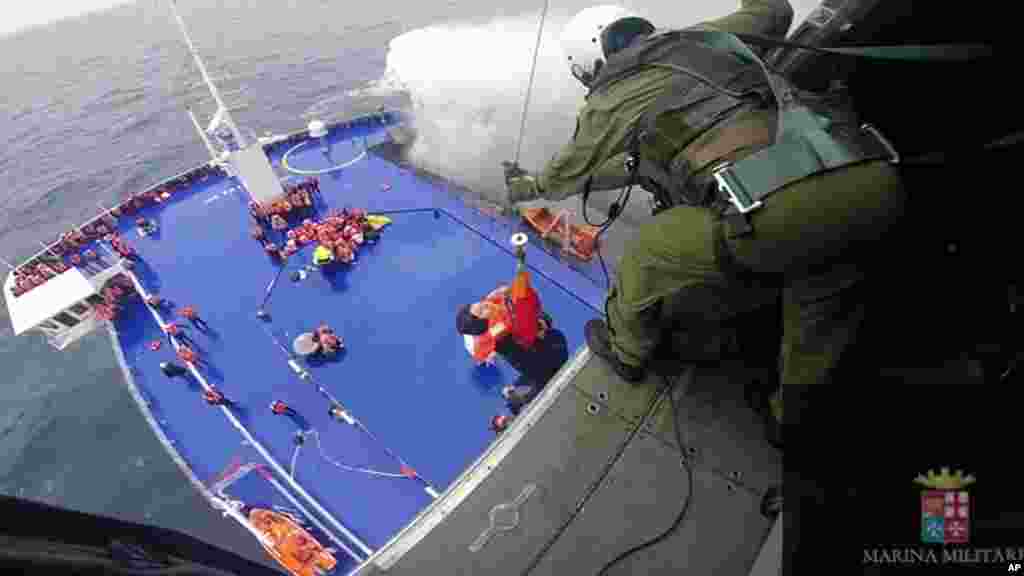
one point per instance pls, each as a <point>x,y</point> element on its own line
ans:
<point>677,181</point>
<point>793,157</point>
<point>909,53</point>
<point>806,142</point>
<point>802,145</point>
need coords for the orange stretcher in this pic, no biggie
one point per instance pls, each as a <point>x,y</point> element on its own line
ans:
<point>582,238</point>
<point>293,547</point>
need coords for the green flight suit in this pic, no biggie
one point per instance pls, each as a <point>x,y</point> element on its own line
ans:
<point>810,241</point>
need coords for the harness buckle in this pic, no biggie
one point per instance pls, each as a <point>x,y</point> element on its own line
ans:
<point>738,196</point>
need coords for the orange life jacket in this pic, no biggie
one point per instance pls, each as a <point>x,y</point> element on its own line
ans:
<point>498,326</point>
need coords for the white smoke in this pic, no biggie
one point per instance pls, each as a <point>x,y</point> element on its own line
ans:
<point>468,84</point>
<point>468,81</point>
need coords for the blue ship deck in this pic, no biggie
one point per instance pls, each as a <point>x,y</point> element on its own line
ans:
<point>404,374</point>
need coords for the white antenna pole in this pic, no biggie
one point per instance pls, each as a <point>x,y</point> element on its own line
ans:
<point>202,134</point>
<point>206,76</point>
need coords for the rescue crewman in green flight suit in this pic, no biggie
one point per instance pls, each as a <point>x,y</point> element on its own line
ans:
<point>688,265</point>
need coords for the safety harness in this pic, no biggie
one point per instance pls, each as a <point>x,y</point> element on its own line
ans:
<point>718,77</point>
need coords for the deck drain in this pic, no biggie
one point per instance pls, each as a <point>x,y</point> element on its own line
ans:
<point>602,396</point>
<point>593,408</point>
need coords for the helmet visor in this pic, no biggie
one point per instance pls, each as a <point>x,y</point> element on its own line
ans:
<point>621,33</point>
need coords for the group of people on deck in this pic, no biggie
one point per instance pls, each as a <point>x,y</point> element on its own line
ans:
<point>34,274</point>
<point>186,349</point>
<point>66,252</point>
<point>72,248</point>
<point>485,322</point>
<point>298,201</point>
<point>328,343</point>
<point>338,236</point>
<point>116,291</point>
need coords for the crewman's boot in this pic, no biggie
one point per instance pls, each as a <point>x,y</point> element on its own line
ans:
<point>599,342</point>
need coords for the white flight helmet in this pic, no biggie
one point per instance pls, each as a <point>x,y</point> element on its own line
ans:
<point>590,37</point>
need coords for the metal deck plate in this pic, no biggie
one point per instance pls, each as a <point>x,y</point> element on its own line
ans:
<point>721,534</point>
<point>727,434</point>
<point>561,456</point>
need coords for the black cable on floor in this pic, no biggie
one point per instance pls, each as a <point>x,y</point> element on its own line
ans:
<point>686,503</point>
<point>652,406</point>
<point>597,483</point>
<point>614,211</point>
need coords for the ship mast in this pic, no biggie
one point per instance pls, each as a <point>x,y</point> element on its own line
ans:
<point>203,135</point>
<point>222,110</point>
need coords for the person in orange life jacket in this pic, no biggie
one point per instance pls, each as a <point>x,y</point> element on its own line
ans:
<point>189,313</point>
<point>214,397</point>
<point>281,409</point>
<point>329,342</point>
<point>496,310</point>
<point>536,365</point>
<point>500,423</point>
<point>173,331</point>
<point>122,247</point>
<point>187,355</point>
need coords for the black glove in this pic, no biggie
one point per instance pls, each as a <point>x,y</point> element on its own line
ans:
<point>520,185</point>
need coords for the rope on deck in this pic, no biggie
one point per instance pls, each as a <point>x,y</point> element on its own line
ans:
<point>316,436</point>
<point>249,437</point>
<point>427,486</point>
<point>305,375</point>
